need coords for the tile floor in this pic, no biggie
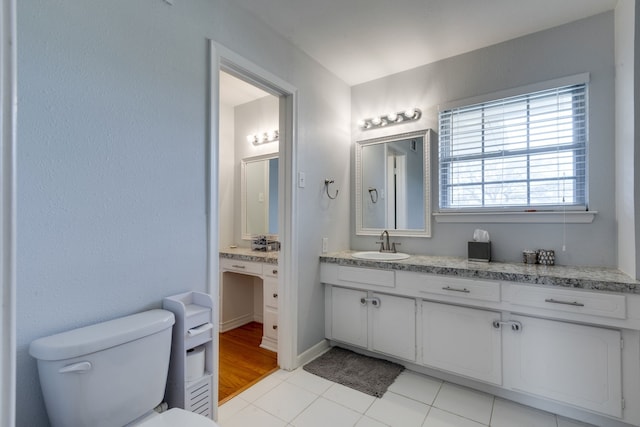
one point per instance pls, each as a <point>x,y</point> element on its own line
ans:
<point>301,399</point>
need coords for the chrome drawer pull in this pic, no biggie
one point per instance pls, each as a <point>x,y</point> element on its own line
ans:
<point>238,266</point>
<point>374,301</point>
<point>274,271</point>
<point>574,303</point>
<point>515,325</point>
<point>275,295</point>
<point>275,327</point>
<point>449,288</point>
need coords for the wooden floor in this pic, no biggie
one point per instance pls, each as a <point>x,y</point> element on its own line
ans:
<point>242,361</point>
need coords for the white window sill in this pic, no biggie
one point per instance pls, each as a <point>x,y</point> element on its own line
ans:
<point>569,217</point>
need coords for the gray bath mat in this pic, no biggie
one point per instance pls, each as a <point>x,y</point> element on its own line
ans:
<point>363,373</point>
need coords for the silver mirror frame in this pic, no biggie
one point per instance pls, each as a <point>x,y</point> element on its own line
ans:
<point>426,135</point>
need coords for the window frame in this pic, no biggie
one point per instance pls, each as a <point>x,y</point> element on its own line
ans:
<point>581,179</point>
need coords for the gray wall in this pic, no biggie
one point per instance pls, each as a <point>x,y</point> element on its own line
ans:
<point>579,47</point>
<point>111,161</point>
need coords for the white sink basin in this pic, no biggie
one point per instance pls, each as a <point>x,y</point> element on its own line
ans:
<point>380,256</point>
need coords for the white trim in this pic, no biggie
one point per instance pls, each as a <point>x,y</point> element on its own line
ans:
<point>212,210</point>
<point>8,114</point>
<point>521,90</point>
<point>229,61</point>
<point>313,352</point>
<point>569,217</point>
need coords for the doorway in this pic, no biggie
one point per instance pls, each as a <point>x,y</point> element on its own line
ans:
<point>248,182</point>
<point>224,60</point>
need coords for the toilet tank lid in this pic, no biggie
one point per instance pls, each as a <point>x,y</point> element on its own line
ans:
<point>89,339</point>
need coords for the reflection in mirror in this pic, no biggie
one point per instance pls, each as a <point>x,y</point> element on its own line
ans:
<point>392,185</point>
<point>259,196</point>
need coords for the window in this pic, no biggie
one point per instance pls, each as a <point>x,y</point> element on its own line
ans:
<point>524,152</point>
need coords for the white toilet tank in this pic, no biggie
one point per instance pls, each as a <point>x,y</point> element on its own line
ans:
<point>107,374</point>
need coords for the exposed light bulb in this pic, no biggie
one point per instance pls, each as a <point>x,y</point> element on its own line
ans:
<point>251,138</point>
<point>376,121</point>
<point>361,124</point>
<point>392,117</point>
<point>410,113</point>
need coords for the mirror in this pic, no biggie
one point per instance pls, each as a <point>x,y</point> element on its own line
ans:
<point>392,185</point>
<point>259,196</point>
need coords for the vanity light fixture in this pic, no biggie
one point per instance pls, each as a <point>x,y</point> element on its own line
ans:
<point>390,119</point>
<point>264,137</point>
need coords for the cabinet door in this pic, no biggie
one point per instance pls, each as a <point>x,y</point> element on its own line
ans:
<point>349,316</point>
<point>575,364</point>
<point>393,325</point>
<point>462,340</point>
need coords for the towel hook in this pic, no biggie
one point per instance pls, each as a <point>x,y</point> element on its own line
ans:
<point>326,187</point>
<point>372,191</point>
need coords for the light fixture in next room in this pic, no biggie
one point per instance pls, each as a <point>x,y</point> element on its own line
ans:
<point>390,119</point>
<point>263,137</point>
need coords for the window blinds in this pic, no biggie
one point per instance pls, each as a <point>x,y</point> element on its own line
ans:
<point>526,151</point>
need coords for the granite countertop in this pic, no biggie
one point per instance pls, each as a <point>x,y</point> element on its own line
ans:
<point>592,278</point>
<point>246,254</point>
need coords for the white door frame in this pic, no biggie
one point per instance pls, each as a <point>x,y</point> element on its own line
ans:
<point>221,57</point>
<point>8,114</point>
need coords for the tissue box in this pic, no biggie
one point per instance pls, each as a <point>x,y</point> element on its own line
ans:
<point>479,251</point>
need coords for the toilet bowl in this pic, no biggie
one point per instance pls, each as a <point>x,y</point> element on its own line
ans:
<point>111,374</point>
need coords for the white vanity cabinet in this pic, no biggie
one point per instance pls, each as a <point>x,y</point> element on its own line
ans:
<point>270,307</point>
<point>374,321</point>
<point>268,272</point>
<point>462,340</point>
<point>574,349</point>
<point>576,364</point>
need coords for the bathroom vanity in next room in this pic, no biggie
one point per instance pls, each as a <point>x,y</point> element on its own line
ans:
<point>249,292</point>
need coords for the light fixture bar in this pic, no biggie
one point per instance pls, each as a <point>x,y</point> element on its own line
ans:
<point>390,119</point>
<point>264,137</point>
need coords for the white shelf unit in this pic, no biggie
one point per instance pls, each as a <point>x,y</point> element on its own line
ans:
<point>193,328</point>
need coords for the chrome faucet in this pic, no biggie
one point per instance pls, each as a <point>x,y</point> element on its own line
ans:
<point>385,246</point>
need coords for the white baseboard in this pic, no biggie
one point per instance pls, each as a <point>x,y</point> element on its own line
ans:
<point>312,353</point>
<point>236,323</point>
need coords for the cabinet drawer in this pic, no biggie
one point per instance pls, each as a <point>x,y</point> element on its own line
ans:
<point>431,284</point>
<point>369,276</point>
<point>570,301</point>
<point>270,270</point>
<point>241,266</point>
<point>270,324</point>
<point>271,293</point>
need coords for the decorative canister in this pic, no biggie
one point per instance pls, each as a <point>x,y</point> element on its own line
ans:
<point>546,257</point>
<point>529,257</point>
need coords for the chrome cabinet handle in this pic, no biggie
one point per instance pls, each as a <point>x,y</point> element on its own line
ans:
<point>515,325</point>
<point>274,271</point>
<point>238,266</point>
<point>573,303</point>
<point>275,295</point>
<point>275,327</point>
<point>374,301</point>
<point>449,288</point>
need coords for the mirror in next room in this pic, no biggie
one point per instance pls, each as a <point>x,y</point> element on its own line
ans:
<point>259,200</point>
<point>393,186</point>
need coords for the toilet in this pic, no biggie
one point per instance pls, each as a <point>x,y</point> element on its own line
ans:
<point>111,374</point>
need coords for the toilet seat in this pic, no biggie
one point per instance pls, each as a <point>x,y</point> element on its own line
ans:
<point>176,417</point>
